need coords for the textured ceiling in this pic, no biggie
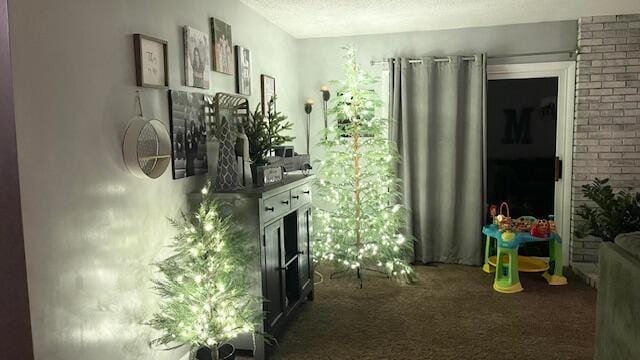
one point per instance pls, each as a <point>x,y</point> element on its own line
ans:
<point>323,18</point>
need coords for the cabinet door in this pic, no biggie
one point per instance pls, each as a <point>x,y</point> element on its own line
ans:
<point>273,247</point>
<point>305,229</point>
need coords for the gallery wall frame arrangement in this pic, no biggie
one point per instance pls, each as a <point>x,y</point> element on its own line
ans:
<point>151,61</point>
<point>222,47</point>
<point>188,133</point>
<point>243,70</point>
<point>268,85</point>
<point>197,58</point>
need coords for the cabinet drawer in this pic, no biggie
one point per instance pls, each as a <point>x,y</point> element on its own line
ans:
<point>276,206</point>
<point>300,195</point>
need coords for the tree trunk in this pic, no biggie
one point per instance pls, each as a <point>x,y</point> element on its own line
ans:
<point>356,185</point>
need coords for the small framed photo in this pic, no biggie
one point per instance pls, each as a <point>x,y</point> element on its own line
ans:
<point>197,58</point>
<point>222,46</point>
<point>152,64</point>
<point>268,93</point>
<point>243,74</point>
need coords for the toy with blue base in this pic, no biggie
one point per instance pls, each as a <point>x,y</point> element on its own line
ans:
<point>508,238</point>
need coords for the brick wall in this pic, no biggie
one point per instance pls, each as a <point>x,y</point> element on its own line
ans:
<point>607,122</point>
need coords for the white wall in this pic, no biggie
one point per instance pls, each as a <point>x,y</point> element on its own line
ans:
<point>321,59</point>
<point>92,229</point>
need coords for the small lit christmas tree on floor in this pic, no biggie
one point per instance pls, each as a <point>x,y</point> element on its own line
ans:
<point>358,217</point>
<point>205,287</point>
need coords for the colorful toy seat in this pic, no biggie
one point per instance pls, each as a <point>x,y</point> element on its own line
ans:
<point>507,261</point>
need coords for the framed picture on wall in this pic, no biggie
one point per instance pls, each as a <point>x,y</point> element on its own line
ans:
<point>243,73</point>
<point>152,64</point>
<point>197,58</point>
<point>222,47</point>
<point>188,133</point>
<point>268,92</point>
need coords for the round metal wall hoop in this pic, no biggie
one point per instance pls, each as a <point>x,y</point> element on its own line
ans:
<point>146,148</point>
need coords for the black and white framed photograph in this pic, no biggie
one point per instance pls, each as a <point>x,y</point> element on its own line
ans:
<point>188,133</point>
<point>268,93</point>
<point>197,58</point>
<point>243,74</point>
<point>152,64</point>
<point>222,47</point>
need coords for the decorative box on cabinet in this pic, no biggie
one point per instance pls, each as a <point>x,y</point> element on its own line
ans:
<point>278,219</point>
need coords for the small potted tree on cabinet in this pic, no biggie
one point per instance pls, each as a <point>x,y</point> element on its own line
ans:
<point>264,133</point>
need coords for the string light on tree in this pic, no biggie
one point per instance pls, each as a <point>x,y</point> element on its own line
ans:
<point>358,217</point>
<point>204,287</point>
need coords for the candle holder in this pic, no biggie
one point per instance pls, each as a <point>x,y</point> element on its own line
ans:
<point>308,107</point>
<point>326,95</point>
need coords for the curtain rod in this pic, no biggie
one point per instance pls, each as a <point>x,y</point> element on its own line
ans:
<point>473,58</point>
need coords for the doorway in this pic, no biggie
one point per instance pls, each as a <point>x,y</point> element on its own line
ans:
<point>521,148</point>
<point>528,142</point>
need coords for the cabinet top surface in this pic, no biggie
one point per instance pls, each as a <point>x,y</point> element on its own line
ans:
<point>287,183</point>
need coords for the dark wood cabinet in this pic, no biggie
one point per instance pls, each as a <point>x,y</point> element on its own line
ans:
<point>278,219</point>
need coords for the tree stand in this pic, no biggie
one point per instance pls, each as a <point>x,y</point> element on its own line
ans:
<point>359,273</point>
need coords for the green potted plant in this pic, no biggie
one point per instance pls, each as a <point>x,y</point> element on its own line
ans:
<point>264,131</point>
<point>204,287</point>
<point>614,213</point>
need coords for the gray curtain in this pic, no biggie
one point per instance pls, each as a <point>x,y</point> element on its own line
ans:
<point>438,111</point>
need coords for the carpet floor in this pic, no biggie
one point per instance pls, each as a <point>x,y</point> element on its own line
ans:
<point>451,313</point>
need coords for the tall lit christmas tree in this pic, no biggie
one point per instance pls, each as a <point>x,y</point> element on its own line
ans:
<point>205,285</point>
<point>358,216</point>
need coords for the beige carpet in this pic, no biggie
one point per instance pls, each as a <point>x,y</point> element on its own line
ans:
<point>451,313</point>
